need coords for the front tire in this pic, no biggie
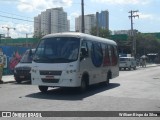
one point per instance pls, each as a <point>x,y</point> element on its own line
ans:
<point>43,89</point>
<point>18,80</point>
<point>83,86</point>
<point>134,68</point>
<point>108,79</point>
<point>129,68</point>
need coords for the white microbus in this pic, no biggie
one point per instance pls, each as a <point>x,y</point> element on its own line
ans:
<point>74,60</point>
<point>127,62</point>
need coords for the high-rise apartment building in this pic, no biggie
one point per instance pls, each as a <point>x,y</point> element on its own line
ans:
<point>93,20</point>
<point>103,19</point>
<point>45,22</point>
<point>90,22</point>
<point>37,26</point>
<point>58,20</point>
<point>51,21</point>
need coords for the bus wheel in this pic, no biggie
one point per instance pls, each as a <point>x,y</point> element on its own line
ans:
<point>134,68</point>
<point>43,88</point>
<point>108,79</point>
<point>83,86</point>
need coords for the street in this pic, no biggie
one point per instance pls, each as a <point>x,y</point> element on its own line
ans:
<point>135,90</point>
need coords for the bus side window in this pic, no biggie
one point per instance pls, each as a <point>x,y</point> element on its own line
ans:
<point>114,55</point>
<point>106,56</point>
<point>84,50</point>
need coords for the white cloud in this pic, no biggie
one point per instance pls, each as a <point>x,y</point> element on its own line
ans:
<point>73,15</point>
<point>24,28</point>
<point>122,1</point>
<point>31,5</point>
<point>20,29</point>
<point>146,16</point>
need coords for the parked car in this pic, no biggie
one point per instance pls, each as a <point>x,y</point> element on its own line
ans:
<point>23,68</point>
<point>127,62</point>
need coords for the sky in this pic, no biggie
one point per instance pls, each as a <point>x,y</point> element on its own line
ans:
<point>19,14</point>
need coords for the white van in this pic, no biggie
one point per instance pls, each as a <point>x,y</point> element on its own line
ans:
<point>23,68</point>
<point>127,62</point>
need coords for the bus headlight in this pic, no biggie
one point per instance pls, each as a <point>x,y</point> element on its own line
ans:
<point>33,70</point>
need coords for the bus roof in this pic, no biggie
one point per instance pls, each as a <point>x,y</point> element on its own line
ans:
<point>126,57</point>
<point>81,35</point>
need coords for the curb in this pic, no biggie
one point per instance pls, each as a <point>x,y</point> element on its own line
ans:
<point>8,82</point>
<point>147,66</point>
<point>154,65</point>
<point>7,79</point>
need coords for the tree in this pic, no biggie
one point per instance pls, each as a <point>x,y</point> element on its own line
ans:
<point>147,43</point>
<point>102,32</point>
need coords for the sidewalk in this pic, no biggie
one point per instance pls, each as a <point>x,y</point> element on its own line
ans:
<point>151,65</point>
<point>10,78</point>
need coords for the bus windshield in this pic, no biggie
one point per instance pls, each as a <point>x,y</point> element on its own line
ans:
<point>57,50</point>
<point>123,59</point>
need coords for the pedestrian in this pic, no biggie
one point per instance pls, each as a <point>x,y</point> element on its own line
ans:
<point>144,62</point>
<point>141,62</point>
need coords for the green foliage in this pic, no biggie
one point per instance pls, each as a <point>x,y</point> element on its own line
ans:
<point>147,43</point>
<point>102,32</point>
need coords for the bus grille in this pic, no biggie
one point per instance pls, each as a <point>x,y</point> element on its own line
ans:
<point>45,72</point>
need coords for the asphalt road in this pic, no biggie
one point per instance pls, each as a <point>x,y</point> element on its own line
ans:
<point>135,90</point>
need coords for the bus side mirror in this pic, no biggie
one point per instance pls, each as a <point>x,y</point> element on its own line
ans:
<point>84,53</point>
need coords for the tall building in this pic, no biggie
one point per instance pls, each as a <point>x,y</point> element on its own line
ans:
<point>103,19</point>
<point>59,22</point>
<point>45,22</point>
<point>90,22</point>
<point>37,25</point>
<point>51,21</point>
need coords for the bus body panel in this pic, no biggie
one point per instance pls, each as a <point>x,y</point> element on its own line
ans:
<point>65,75</point>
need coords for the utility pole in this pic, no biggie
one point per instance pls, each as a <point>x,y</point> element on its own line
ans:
<point>83,27</point>
<point>27,38</point>
<point>133,15</point>
<point>8,29</point>
<point>97,24</point>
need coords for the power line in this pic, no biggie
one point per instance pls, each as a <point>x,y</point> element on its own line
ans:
<point>15,18</point>
<point>14,14</point>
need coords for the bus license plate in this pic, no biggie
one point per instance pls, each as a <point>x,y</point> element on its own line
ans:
<point>49,77</point>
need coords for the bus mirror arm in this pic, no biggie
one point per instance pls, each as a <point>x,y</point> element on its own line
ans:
<point>81,57</point>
